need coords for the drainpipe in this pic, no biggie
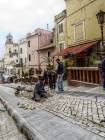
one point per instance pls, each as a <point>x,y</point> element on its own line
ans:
<point>38,34</point>
<point>38,53</point>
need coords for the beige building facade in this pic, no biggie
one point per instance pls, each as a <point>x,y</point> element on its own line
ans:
<point>15,57</point>
<point>60,31</point>
<point>2,65</point>
<point>11,55</point>
<point>82,24</point>
<point>23,54</point>
<point>84,40</point>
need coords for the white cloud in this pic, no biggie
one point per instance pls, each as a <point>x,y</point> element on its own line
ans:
<point>22,16</point>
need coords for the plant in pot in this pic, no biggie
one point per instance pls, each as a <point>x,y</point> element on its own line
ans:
<point>93,60</point>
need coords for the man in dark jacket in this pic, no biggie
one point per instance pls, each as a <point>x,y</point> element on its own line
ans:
<point>103,71</point>
<point>45,76</point>
<point>52,79</point>
<point>39,90</point>
<point>60,73</point>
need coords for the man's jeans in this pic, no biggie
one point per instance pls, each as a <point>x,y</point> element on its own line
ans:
<point>60,82</point>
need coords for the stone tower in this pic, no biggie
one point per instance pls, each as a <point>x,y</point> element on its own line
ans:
<point>9,39</point>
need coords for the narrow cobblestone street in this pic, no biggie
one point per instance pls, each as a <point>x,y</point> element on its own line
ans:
<point>8,129</point>
<point>76,116</point>
<point>85,110</point>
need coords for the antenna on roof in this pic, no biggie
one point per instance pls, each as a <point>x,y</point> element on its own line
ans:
<point>47,26</point>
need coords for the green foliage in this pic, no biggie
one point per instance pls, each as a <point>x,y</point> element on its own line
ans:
<point>93,59</point>
<point>49,62</point>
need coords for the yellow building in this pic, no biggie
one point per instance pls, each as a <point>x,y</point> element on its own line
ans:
<point>82,24</point>
<point>84,39</point>
<point>83,32</point>
<point>60,31</point>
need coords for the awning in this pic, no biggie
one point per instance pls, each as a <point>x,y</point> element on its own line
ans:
<point>76,49</point>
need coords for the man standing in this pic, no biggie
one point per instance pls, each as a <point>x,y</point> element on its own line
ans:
<point>60,73</point>
<point>52,79</point>
<point>45,76</point>
<point>103,71</point>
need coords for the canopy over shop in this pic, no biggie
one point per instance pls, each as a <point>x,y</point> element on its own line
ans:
<point>81,55</point>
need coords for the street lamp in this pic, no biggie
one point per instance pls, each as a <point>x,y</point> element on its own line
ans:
<point>101,20</point>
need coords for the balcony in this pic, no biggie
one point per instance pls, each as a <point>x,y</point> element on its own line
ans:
<point>15,54</point>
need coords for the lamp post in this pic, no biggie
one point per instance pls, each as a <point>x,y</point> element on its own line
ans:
<point>101,20</point>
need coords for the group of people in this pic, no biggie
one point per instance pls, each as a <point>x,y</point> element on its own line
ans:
<point>50,78</point>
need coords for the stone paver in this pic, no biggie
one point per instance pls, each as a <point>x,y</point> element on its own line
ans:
<point>8,129</point>
<point>84,108</point>
<point>58,116</point>
<point>87,113</point>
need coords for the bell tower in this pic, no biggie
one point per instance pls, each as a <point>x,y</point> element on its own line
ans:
<point>9,39</point>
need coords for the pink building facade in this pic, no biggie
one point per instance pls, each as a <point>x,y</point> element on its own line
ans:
<point>40,44</point>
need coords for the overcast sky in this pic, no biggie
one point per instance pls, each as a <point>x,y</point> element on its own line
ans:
<point>22,16</point>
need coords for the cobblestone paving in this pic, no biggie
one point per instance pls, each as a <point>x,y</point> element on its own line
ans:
<point>87,113</point>
<point>8,129</point>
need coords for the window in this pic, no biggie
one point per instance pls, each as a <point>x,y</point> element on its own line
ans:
<point>25,60</point>
<point>9,50</point>
<point>21,51</point>
<point>49,53</point>
<point>29,57</point>
<point>79,31</point>
<point>61,28</point>
<point>10,40</point>
<point>21,61</point>
<point>61,46</point>
<point>10,53</point>
<point>51,40</point>
<point>28,43</point>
